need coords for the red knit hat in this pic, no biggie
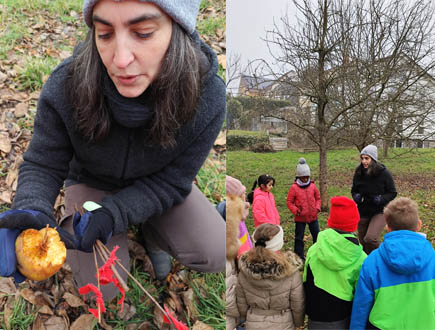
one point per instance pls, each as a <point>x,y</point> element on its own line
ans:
<point>344,214</point>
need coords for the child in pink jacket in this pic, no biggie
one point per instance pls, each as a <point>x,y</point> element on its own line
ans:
<point>303,200</point>
<point>263,202</point>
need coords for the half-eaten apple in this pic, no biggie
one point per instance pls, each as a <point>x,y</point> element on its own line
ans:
<point>40,253</point>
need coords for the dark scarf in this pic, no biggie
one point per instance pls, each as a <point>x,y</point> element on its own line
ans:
<point>128,112</point>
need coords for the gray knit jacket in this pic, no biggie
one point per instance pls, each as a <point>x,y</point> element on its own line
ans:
<point>147,178</point>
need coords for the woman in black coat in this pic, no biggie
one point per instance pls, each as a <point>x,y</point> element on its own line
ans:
<point>372,189</point>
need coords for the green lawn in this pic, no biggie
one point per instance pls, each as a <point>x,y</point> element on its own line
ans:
<point>413,172</point>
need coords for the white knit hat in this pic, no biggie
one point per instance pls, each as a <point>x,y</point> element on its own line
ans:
<point>183,12</point>
<point>371,151</point>
<point>302,169</point>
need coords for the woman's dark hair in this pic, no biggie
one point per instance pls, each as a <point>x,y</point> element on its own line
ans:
<point>373,169</point>
<point>262,179</point>
<point>175,91</point>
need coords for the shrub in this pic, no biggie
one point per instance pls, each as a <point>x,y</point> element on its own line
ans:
<point>262,147</point>
<point>240,140</point>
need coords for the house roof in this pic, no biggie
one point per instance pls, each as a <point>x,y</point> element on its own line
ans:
<point>258,83</point>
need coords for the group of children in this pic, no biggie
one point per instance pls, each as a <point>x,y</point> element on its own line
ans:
<point>341,287</point>
<point>303,200</point>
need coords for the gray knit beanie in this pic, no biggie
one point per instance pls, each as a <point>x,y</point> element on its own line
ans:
<point>371,151</point>
<point>183,12</point>
<point>302,169</point>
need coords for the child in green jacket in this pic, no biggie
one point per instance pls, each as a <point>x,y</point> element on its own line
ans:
<point>332,268</point>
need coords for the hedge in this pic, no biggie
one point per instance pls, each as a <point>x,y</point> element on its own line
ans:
<point>239,140</point>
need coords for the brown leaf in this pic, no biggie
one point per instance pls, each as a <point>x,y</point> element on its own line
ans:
<point>177,305</point>
<point>127,313</point>
<point>158,318</point>
<point>11,177</point>
<point>7,286</point>
<point>222,60</point>
<point>6,197</point>
<point>145,326</point>
<point>5,143</point>
<point>221,139</point>
<point>189,302</point>
<point>72,300</point>
<point>45,310</point>
<point>55,323</point>
<point>38,324</point>
<point>131,326</point>
<point>7,315</point>
<point>201,326</point>
<point>85,321</point>
<point>29,295</point>
<point>21,110</point>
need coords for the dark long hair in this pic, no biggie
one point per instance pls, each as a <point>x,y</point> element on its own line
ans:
<point>175,91</point>
<point>373,169</point>
<point>262,179</point>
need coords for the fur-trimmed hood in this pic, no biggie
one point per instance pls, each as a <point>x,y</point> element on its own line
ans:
<point>275,266</point>
<point>235,207</point>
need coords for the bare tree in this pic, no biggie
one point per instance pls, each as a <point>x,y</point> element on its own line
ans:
<point>348,61</point>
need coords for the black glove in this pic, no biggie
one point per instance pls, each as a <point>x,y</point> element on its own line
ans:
<point>25,219</point>
<point>91,226</point>
<point>357,198</point>
<point>377,199</point>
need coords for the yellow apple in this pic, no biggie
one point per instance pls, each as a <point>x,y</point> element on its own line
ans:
<point>40,254</point>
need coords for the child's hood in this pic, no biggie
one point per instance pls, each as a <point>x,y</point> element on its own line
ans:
<point>335,251</point>
<point>271,268</point>
<point>406,252</point>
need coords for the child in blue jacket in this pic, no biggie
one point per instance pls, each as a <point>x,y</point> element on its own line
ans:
<point>396,287</point>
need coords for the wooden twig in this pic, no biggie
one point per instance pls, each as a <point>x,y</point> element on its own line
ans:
<point>103,247</point>
<point>105,256</point>
<point>98,283</point>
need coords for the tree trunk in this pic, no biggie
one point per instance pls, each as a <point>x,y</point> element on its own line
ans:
<point>323,170</point>
<point>385,147</point>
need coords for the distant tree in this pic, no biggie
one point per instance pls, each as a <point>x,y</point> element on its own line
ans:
<point>348,58</point>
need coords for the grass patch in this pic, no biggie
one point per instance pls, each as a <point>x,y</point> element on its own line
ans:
<point>210,25</point>
<point>36,72</point>
<point>211,180</point>
<point>210,290</point>
<point>19,318</point>
<point>135,296</point>
<point>15,7</point>
<point>413,172</point>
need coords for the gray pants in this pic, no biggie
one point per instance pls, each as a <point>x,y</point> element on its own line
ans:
<point>369,232</point>
<point>192,232</point>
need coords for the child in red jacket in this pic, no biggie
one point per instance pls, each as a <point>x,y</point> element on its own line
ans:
<point>263,202</point>
<point>303,200</point>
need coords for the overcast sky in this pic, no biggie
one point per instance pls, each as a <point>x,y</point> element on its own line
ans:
<point>248,21</point>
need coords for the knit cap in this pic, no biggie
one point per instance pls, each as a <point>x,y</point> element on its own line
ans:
<point>343,214</point>
<point>302,169</point>
<point>234,186</point>
<point>183,12</point>
<point>275,243</point>
<point>371,151</point>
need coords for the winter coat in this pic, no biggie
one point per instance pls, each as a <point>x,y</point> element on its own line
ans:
<point>331,271</point>
<point>270,294</point>
<point>380,182</point>
<point>304,202</point>
<point>232,312</point>
<point>264,209</point>
<point>147,178</point>
<point>235,213</point>
<point>396,287</point>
